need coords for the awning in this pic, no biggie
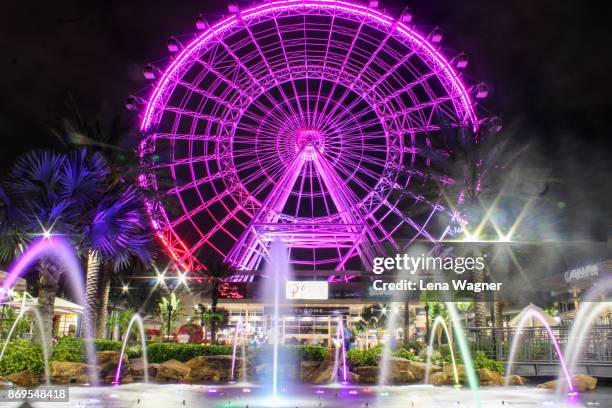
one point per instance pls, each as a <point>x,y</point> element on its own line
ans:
<point>533,321</point>
<point>61,306</point>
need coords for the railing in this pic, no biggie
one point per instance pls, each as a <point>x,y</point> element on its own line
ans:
<point>535,343</point>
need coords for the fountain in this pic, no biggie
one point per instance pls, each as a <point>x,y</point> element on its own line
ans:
<point>277,270</point>
<point>143,342</point>
<point>59,248</point>
<point>45,345</point>
<point>340,344</point>
<point>239,330</point>
<point>439,321</point>
<point>530,314</point>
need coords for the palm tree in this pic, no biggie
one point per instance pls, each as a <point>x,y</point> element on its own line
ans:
<point>217,271</point>
<point>49,193</point>
<point>115,238</point>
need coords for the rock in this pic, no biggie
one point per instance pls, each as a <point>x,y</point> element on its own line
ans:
<point>488,377</point>
<point>4,383</point>
<point>419,368</point>
<point>324,373</point>
<point>354,378</point>
<point>399,371</point>
<point>517,380</point>
<point>66,372</point>
<point>137,368</point>
<point>24,378</point>
<point>307,367</point>
<point>108,362</point>
<point>581,383</point>
<point>213,369</point>
<point>367,374</point>
<point>442,378</point>
<point>172,370</point>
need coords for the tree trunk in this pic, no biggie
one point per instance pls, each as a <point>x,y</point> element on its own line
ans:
<point>407,323</point>
<point>92,284</point>
<point>480,306</point>
<point>103,304</point>
<point>214,298</point>
<point>49,275</point>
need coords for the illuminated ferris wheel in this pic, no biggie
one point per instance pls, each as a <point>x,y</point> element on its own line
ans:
<point>299,121</point>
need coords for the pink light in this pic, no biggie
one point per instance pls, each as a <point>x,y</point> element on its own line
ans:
<point>350,226</point>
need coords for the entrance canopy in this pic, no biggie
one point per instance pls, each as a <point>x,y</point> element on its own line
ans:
<point>532,321</point>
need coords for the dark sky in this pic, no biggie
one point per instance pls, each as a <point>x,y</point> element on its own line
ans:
<point>548,63</point>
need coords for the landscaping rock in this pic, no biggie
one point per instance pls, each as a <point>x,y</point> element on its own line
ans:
<point>399,371</point>
<point>324,373</point>
<point>442,378</point>
<point>137,368</point>
<point>4,383</point>
<point>307,367</point>
<point>517,380</point>
<point>289,372</point>
<point>24,378</point>
<point>354,378</point>
<point>367,374</point>
<point>419,368</point>
<point>66,372</point>
<point>213,369</point>
<point>172,370</point>
<point>489,378</point>
<point>108,362</point>
<point>581,382</point>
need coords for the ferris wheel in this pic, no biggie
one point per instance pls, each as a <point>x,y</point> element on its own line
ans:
<point>299,121</point>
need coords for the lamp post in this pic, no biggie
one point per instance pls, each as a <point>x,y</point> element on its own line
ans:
<point>201,308</point>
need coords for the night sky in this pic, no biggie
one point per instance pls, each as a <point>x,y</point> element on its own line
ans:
<point>548,63</point>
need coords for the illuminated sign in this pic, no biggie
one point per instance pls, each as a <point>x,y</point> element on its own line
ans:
<point>313,290</point>
<point>587,272</point>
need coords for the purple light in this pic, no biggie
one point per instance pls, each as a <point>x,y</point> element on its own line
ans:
<point>530,314</point>
<point>340,333</point>
<point>353,392</point>
<point>312,163</point>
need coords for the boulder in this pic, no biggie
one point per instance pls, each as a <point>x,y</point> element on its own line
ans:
<point>581,382</point>
<point>172,370</point>
<point>354,378</point>
<point>108,361</point>
<point>307,367</point>
<point>488,377</point>
<point>4,383</point>
<point>419,368</point>
<point>324,373</point>
<point>367,374</point>
<point>66,372</point>
<point>442,378</point>
<point>213,369</point>
<point>517,380</point>
<point>399,371</point>
<point>137,368</point>
<point>24,378</point>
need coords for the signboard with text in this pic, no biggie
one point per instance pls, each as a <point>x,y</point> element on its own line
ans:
<point>310,290</point>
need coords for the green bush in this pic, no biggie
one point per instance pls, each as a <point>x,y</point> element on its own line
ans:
<point>21,355</point>
<point>69,349</point>
<point>358,358</point>
<point>108,345</point>
<point>311,353</point>
<point>403,353</point>
<point>133,351</point>
<point>482,361</point>
<point>160,352</point>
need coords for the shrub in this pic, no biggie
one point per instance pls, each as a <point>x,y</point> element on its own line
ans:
<point>482,361</point>
<point>415,346</point>
<point>290,353</point>
<point>69,349</point>
<point>403,353</point>
<point>160,352</point>
<point>108,345</point>
<point>311,353</point>
<point>358,358</point>
<point>21,355</point>
<point>134,351</point>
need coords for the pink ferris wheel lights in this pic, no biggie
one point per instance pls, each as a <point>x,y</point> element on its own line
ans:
<point>302,129</point>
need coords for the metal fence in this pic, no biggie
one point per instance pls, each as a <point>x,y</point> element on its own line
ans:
<point>535,343</point>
